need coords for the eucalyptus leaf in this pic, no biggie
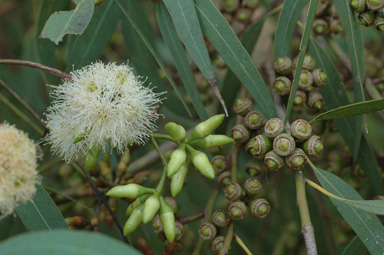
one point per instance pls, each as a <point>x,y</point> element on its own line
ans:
<point>64,242</point>
<point>351,110</point>
<point>356,247</point>
<point>41,212</point>
<point>221,35</point>
<point>69,22</point>
<point>366,225</point>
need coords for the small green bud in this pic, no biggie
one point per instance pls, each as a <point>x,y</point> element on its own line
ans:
<point>167,219</point>
<point>178,179</point>
<point>202,163</point>
<point>135,204</point>
<point>212,141</point>
<point>152,205</point>
<point>91,157</point>
<point>205,128</point>
<point>130,191</point>
<point>178,157</point>
<point>78,137</point>
<point>176,131</point>
<point>134,220</point>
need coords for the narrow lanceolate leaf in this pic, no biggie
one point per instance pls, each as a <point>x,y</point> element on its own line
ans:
<point>179,56</point>
<point>300,60</point>
<point>351,110</point>
<point>335,96</point>
<point>90,45</point>
<point>286,25</point>
<point>69,22</point>
<point>41,212</point>
<point>355,247</point>
<point>221,35</point>
<point>355,45</point>
<point>64,242</point>
<point>185,19</point>
<point>366,225</point>
<point>150,47</point>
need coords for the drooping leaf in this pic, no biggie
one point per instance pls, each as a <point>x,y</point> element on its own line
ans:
<point>303,50</point>
<point>179,56</point>
<point>221,35</point>
<point>69,22</point>
<point>366,225</point>
<point>64,242</point>
<point>355,247</point>
<point>41,212</point>
<point>335,96</point>
<point>354,40</point>
<point>90,45</point>
<point>286,25</point>
<point>142,34</point>
<point>351,110</point>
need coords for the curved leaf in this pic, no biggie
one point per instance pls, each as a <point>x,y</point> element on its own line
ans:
<point>221,35</point>
<point>335,96</point>
<point>356,247</point>
<point>90,45</point>
<point>41,212</point>
<point>286,25</point>
<point>181,61</point>
<point>69,22</point>
<point>355,45</point>
<point>351,110</point>
<point>300,60</point>
<point>64,242</point>
<point>366,225</point>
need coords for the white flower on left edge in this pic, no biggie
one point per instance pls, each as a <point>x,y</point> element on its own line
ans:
<point>103,104</point>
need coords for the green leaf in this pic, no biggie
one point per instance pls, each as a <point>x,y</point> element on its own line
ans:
<point>150,47</point>
<point>300,60</point>
<point>90,45</point>
<point>286,25</point>
<point>68,22</point>
<point>355,247</point>
<point>41,212</point>
<point>64,242</point>
<point>366,225</point>
<point>335,96</point>
<point>221,35</point>
<point>355,45</point>
<point>179,56</point>
<point>351,110</point>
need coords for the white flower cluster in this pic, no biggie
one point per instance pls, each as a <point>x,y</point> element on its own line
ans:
<point>18,174</point>
<point>102,104</point>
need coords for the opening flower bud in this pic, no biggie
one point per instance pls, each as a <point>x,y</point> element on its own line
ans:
<point>274,127</point>
<point>260,208</point>
<point>313,146</point>
<point>207,231</point>
<point>252,186</point>
<point>319,77</point>
<point>224,178</point>
<point>254,167</point>
<point>240,133</point>
<point>297,160</point>
<point>237,210</point>
<point>254,120</point>
<point>273,160</point>
<point>233,191</point>
<point>305,80</point>
<point>219,163</point>
<point>366,18</point>
<point>243,106</point>
<point>282,85</point>
<point>176,131</point>
<point>217,244</point>
<point>358,5</point>
<point>283,66</point>
<point>220,218</point>
<point>130,191</point>
<point>301,129</point>
<point>284,144</point>
<point>375,5</point>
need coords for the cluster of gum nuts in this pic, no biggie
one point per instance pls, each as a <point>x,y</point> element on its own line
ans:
<point>241,198</point>
<point>310,78</point>
<point>327,21</point>
<point>370,12</point>
<point>268,140</point>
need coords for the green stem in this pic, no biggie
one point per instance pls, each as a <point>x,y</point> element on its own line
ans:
<point>306,224</point>
<point>36,65</point>
<point>211,203</point>
<point>228,240</point>
<point>165,137</point>
<point>192,218</point>
<point>20,114</point>
<point>160,186</point>
<point>234,162</point>
<point>199,247</point>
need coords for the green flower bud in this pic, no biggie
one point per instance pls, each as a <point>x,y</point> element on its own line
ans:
<point>91,157</point>
<point>205,128</point>
<point>134,220</point>
<point>212,141</point>
<point>131,191</point>
<point>135,204</point>
<point>178,179</point>
<point>202,163</point>
<point>167,219</point>
<point>78,137</point>
<point>176,131</point>
<point>152,205</point>
<point>178,157</point>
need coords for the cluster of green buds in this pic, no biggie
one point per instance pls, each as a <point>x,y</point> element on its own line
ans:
<point>370,12</point>
<point>310,80</point>
<point>326,20</point>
